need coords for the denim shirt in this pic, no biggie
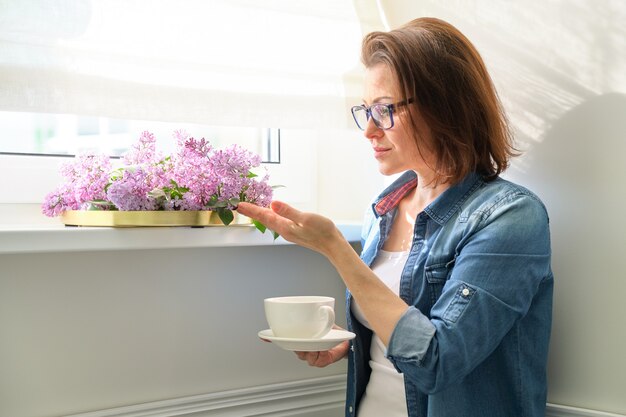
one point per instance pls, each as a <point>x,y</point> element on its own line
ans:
<point>474,339</point>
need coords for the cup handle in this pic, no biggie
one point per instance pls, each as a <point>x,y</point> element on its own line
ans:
<point>330,320</point>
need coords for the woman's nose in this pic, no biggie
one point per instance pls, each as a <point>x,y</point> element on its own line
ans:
<point>371,130</point>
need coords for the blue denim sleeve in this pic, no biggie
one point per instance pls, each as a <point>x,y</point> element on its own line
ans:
<point>500,261</point>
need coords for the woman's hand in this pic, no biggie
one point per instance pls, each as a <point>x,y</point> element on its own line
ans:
<point>326,357</point>
<point>305,229</point>
<point>323,358</point>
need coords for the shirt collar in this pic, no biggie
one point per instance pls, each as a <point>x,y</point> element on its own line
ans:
<point>391,196</point>
<point>440,210</point>
<point>450,201</point>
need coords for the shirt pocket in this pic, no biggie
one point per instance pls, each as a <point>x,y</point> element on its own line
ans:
<point>436,277</point>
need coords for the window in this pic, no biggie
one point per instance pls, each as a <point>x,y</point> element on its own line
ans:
<point>67,134</point>
<point>94,68</point>
<point>213,62</point>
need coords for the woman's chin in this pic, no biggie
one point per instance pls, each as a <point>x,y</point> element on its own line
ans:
<point>387,171</point>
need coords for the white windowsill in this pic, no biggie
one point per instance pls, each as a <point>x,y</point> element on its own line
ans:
<point>22,230</point>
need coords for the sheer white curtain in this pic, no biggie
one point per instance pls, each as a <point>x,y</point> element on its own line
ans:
<point>232,62</point>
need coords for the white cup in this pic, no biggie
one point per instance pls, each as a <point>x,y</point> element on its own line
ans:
<point>300,317</point>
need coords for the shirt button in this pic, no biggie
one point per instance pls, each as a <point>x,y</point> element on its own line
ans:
<point>352,348</point>
<point>350,409</point>
<point>465,292</point>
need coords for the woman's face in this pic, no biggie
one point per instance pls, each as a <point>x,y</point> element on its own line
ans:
<point>394,149</point>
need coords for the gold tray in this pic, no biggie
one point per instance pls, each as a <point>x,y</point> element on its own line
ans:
<point>148,218</point>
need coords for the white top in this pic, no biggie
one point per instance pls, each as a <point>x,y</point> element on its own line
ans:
<point>384,394</point>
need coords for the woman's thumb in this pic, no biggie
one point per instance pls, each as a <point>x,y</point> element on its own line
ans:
<point>277,206</point>
<point>285,210</point>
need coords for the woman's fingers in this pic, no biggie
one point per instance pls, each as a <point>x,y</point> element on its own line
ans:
<point>317,359</point>
<point>255,212</point>
<point>277,210</point>
<point>326,357</point>
<point>266,216</point>
<point>285,210</point>
<point>280,218</point>
<point>313,358</point>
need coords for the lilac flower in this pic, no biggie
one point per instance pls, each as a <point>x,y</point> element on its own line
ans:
<point>196,177</point>
<point>181,137</point>
<point>58,201</point>
<point>142,152</point>
<point>196,148</point>
<point>234,161</point>
<point>191,171</point>
<point>130,192</point>
<point>86,177</point>
<point>259,192</point>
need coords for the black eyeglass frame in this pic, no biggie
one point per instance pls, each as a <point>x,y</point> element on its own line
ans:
<point>368,112</point>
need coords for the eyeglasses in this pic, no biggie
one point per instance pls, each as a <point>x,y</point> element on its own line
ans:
<point>381,113</point>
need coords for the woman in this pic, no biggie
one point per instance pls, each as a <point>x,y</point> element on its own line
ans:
<point>451,297</point>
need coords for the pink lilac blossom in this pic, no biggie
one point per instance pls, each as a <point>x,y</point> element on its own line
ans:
<point>232,165</point>
<point>158,174</point>
<point>58,201</point>
<point>196,177</point>
<point>260,192</point>
<point>85,179</point>
<point>191,170</point>
<point>233,161</point>
<point>130,192</point>
<point>143,152</point>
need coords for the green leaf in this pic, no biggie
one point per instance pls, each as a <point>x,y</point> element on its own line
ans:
<point>259,226</point>
<point>262,228</point>
<point>215,203</point>
<point>212,201</point>
<point>251,175</point>
<point>117,174</point>
<point>226,216</point>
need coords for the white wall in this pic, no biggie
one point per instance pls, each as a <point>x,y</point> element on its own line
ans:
<point>347,174</point>
<point>560,68</point>
<point>85,331</point>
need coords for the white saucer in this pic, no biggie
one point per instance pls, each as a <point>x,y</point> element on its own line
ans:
<point>332,339</point>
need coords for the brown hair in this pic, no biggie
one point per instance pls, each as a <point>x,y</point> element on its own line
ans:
<point>437,66</point>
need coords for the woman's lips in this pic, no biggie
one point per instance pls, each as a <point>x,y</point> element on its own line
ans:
<point>379,151</point>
